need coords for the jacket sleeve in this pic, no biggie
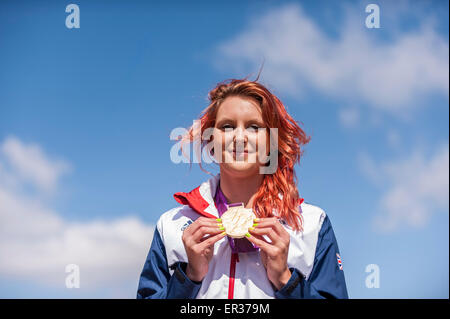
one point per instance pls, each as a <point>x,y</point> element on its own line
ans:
<point>155,280</point>
<point>327,277</point>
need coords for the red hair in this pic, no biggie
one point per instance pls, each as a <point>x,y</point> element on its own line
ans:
<point>290,138</point>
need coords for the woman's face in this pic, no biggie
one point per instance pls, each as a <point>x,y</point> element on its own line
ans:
<point>239,133</point>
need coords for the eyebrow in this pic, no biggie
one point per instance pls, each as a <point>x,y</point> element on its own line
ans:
<point>225,120</point>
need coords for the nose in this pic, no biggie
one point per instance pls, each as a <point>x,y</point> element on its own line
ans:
<point>240,138</point>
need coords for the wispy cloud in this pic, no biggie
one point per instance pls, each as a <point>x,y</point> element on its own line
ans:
<point>354,66</point>
<point>30,164</point>
<point>413,188</point>
<point>37,242</point>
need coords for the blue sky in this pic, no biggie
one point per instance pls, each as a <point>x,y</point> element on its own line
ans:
<point>86,114</point>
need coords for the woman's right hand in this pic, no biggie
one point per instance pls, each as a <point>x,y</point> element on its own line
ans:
<point>199,239</point>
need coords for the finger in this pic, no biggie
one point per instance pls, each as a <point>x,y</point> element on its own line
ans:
<point>267,231</point>
<point>267,222</point>
<point>211,240</point>
<point>274,223</point>
<point>207,237</point>
<point>271,250</point>
<point>248,235</point>
<point>199,222</point>
<point>261,243</point>
<point>206,230</point>
<point>187,237</point>
<point>275,239</point>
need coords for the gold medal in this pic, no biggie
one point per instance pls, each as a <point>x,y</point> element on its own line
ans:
<point>237,220</point>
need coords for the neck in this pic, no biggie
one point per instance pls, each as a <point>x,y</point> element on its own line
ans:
<point>240,189</point>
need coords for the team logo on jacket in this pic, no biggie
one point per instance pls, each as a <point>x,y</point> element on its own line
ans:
<point>339,261</point>
<point>186,225</point>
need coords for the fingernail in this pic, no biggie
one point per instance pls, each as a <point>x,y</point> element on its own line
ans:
<point>218,220</point>
<point>256,220</point>
<point>219,225</point>
<point>254,225</point>
<point>251,228</point>
<point>224,233</point>
<point>248,235</point>
<point>221,228</point>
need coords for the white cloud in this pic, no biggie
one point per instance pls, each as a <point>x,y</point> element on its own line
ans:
<point>299,56</point>
<point>31,164</point>
<point>414,188</point>
<point>36,242</point>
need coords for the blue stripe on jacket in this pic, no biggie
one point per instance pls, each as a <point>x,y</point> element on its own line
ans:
<point>157,283</point>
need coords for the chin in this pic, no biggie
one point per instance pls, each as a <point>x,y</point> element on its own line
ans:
<point>240,169</point>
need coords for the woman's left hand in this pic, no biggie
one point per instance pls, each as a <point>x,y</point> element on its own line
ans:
<point>273,254</point>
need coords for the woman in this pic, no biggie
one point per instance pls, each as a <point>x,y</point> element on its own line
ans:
<point>291,250</point>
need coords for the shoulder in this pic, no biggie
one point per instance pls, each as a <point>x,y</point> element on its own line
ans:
<point>174,217</point>
<point>313,217</point>
<point>303,244</point>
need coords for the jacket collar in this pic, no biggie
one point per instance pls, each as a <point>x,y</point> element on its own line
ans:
<point>201,198</point>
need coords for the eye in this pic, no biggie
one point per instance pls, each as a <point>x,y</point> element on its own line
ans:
<point>227,127</point>
<point>253,128</point>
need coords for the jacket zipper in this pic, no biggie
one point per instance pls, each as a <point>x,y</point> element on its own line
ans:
<point>234,259</point>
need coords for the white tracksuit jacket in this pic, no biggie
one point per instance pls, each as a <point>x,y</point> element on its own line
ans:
<point>313,258</point>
